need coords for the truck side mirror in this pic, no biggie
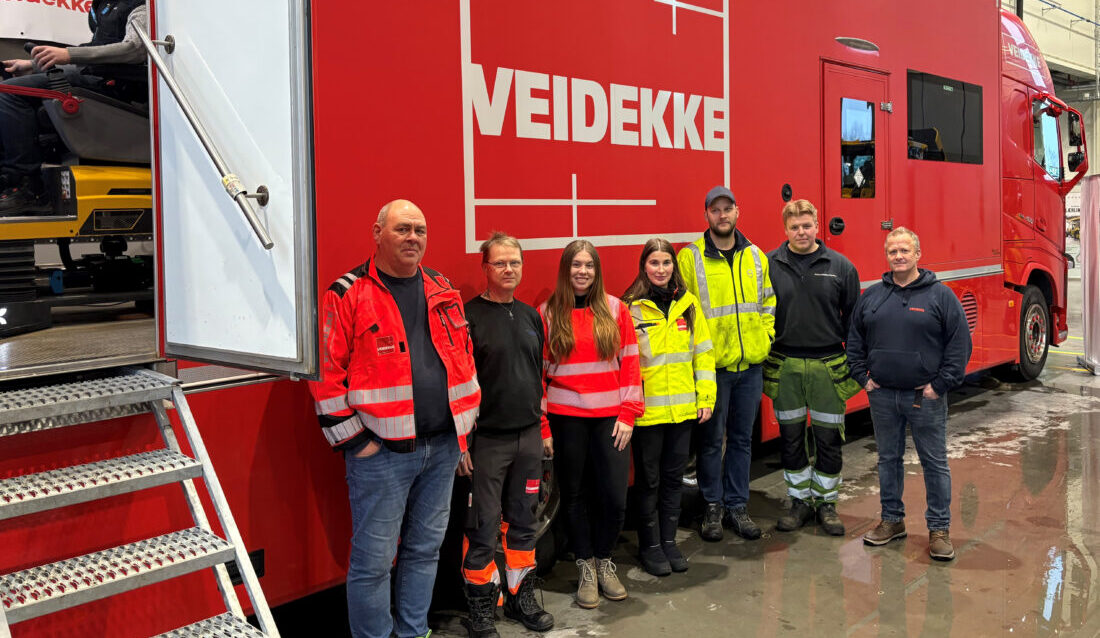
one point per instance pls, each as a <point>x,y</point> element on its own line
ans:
<point>1074,160</point>
<point>1074,130</point>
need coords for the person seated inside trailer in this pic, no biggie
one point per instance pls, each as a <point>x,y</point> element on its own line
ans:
<point>112,63</point>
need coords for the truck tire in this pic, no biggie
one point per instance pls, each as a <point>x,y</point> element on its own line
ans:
<point>1034,335</point>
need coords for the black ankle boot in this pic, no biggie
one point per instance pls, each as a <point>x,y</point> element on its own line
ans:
<point>482,603</point>
<point>524,607</point>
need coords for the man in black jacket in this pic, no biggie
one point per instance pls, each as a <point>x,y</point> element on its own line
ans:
<point>506,453</point>
<point>806,375</point>
<point>908,346</point>
<point>112,63</point>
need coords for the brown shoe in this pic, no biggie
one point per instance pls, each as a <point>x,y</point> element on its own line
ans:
<point>939,545</point>
<point>610,585</point>
<point>588,594</point>
<point>885,532</point>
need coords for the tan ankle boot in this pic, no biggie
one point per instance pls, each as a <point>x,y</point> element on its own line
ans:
<point>610,585</point>
<point>939,545</point>
<point>588,593</point>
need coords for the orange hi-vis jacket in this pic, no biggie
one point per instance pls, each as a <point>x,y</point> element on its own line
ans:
<point>583,384</point>
<point>366,374</point>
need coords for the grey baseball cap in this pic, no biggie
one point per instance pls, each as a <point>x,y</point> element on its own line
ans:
<point>716,192</point>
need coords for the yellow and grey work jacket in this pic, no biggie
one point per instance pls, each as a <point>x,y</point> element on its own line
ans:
<point>738,301</point>
<point>677,361</point>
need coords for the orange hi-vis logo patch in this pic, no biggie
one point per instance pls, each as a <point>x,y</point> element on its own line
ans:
<point>532,486</point>
<point>682,324</point>
<point>916,309</point>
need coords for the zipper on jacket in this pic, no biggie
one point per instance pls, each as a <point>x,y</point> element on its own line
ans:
<point>737,305</point>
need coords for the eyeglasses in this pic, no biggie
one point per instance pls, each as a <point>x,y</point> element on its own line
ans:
<point>501,265</point>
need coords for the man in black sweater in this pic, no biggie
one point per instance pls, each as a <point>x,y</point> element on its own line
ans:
<point>508,445</point>
<point>806,373</point>
<point>908,346</point>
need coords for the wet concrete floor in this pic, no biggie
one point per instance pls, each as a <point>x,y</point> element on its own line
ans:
<point>1025,465</point>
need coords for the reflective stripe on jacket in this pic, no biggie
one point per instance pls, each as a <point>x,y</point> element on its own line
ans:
<point>739,302</point>
<point>677,362</point>
<point>366,374</point>
<point>583,384</point>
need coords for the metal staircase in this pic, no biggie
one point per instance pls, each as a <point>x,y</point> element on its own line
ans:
<point>45,589</point>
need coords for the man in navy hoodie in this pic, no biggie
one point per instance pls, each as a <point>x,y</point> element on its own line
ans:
<point>908,345</point>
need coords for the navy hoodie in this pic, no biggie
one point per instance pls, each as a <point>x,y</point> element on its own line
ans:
<point>906,337</point>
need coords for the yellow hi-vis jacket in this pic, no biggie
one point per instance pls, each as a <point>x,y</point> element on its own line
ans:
<point>677,361</point>
<point>739,302</point>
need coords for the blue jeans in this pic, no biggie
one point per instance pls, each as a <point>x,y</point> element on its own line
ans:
<point>726,479</point>
<point>891,410</point>
<point>397,496</point>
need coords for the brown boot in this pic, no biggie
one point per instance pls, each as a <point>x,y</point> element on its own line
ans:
<point>939,545</point>
<point>885,532</point>
<point>610,584</point>
<point>588,593</point>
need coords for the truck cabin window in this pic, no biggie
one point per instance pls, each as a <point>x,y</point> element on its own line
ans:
<point>1048,146</point>
<point>945,119</point>
<point>857,148</point>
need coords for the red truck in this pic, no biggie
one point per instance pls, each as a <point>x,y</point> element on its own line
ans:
<point>604,120</point>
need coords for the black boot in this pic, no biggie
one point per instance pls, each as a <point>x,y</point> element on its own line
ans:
<point>798,515</point>
<point>482,603</point>
<point>650,554</point>
<point>22,196</point>
<point>676,560</point>
<point>524,607</point>
<point>711,529</point>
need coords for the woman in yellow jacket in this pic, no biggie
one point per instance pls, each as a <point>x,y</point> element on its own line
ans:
<point>678,382</point>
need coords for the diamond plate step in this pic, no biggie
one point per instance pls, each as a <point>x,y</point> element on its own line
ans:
<point>80,483</point>
<point>48,588</point>
<point>224,626</point>
<point>45,404</point>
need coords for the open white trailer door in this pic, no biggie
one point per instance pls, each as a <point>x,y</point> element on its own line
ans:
<point>244,68</point>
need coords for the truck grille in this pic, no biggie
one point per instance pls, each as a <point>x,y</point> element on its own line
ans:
<point>970,307</point>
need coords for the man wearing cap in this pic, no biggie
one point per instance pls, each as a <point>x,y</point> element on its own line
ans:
<point>729,275</point>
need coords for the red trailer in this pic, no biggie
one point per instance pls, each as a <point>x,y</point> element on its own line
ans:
<point>605,120</point>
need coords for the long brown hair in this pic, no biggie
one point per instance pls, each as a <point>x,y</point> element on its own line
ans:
<point>641,287</point>
<point>560,308</point>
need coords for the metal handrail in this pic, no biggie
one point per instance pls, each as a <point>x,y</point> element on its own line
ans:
<point>230,181</point>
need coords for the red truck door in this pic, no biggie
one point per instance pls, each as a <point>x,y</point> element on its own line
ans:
<point>856,165</point>
<point>234,290</point>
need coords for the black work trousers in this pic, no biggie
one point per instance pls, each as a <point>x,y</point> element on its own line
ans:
<point>593,477</point>
<point>660,455</point>
<point>508,473</point>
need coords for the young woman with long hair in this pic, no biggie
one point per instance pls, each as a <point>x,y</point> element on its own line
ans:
<point>677,365</point>
<point>593,395</point>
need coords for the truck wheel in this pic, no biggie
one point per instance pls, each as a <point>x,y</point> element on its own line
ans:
<point>549,539</point>
<point>1034,335</point>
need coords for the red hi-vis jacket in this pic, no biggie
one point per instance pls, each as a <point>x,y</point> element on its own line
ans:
<point>585,385</point>
<point>366,375</point>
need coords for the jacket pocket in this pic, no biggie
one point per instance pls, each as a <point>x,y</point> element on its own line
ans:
<point>898,369</point>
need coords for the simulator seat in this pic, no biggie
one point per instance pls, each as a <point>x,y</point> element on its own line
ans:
<point>103,130</point>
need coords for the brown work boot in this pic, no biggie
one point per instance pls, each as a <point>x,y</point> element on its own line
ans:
<point>885,532</point>
<point>939,545</point>
<point>588,593</point>
<point>610,585</point>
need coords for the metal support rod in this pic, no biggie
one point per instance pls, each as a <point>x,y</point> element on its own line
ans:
<point>230,181</point>
<point>198,514</point>
<point>225,516</point>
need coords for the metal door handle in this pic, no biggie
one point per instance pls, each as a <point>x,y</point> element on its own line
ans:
<point>230,182</point>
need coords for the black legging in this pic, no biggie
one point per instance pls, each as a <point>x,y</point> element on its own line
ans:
<point>660,455</point>
<point>590,471</point>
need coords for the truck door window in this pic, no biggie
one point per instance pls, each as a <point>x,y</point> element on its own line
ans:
<point>1048,147</point>
<point>857,148</point>
<point>945,119</point>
